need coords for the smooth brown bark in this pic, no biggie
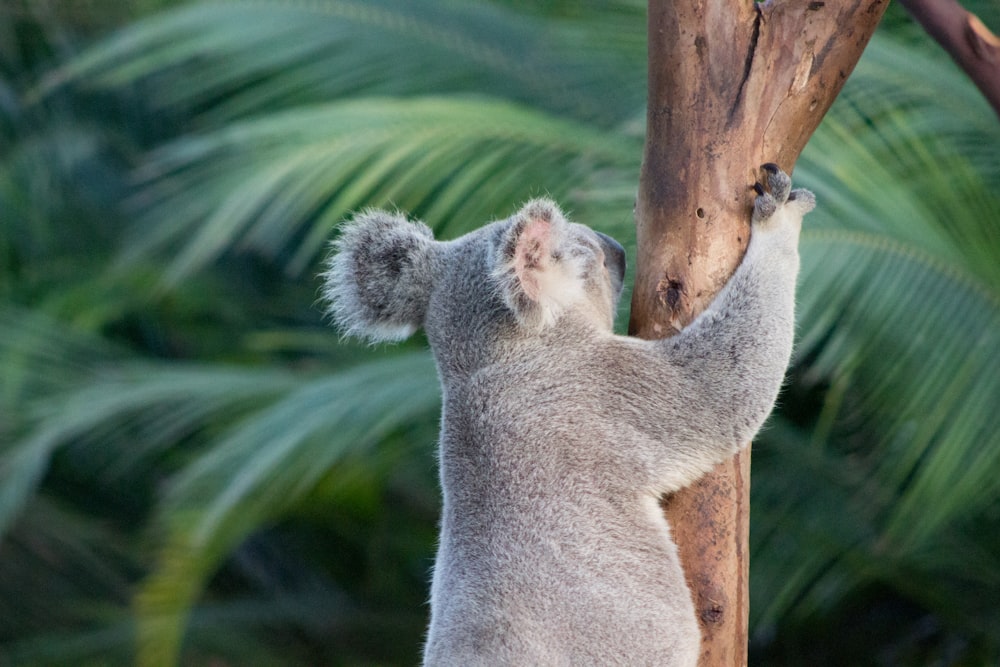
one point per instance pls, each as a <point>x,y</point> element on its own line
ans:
<point>732,84</point>
<point>970,43</point>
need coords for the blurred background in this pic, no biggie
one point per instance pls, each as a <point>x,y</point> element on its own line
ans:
<point>195,470</point>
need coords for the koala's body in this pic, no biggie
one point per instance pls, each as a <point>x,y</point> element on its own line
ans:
<point>559,437</point>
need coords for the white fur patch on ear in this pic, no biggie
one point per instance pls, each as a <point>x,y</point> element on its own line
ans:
<point>534,281</point>
<point>532,256</point>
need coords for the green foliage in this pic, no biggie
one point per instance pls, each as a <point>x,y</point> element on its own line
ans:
<point>897,354</point>
<point>255,180</point>
<point>193,468</point>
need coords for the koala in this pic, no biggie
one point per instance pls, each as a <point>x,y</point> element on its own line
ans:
<point>558,437</point>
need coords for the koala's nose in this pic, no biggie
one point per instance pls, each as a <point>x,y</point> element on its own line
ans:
<point>614,256</point>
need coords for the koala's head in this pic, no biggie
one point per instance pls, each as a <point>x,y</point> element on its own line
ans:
<point>387,277</point>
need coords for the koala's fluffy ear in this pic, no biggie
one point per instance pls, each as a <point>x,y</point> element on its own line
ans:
<point>528,272</point>
<point>378,279</point>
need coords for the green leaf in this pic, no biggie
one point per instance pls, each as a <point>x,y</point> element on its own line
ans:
<point>275,184</point>
<point>209,55</point>
<point>262,469</point>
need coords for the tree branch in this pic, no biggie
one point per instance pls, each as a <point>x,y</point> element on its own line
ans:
<point>969,43</point>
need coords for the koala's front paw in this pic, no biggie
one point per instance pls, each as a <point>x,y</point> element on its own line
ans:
<point>779,194</point>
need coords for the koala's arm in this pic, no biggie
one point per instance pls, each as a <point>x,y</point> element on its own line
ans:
<point>713,385</point>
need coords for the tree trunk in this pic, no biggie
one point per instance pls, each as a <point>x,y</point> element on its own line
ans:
<point>732,84</point>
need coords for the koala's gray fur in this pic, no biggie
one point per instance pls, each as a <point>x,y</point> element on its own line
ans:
<point>558,437</point>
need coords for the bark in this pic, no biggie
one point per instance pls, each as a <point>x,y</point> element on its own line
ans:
<point>970,43</point>
<point>732,84</point>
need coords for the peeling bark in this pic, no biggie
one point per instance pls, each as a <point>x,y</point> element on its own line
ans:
<point>732,85</point>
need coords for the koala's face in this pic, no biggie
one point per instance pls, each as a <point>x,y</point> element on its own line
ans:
<point>388,276</point>
<point>612,264</point>
<point>592,265</point>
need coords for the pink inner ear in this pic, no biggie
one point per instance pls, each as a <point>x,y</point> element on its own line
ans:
<point>532,254</point>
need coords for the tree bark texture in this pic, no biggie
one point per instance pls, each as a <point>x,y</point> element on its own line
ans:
<point>970,43</point>
<point>732,84</point>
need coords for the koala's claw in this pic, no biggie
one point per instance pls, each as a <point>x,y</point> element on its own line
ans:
<point>778,182</point>
<point>778,192</point>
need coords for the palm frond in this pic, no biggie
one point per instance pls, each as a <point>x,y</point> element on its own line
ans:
<point>899,311</point>
<point>262,469</point>
<point>71,390</point>
<point>278,185</point>
<point>208,56</point>
<point>915,348</point>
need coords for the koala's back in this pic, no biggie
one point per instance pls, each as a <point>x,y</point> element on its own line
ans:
<point>550,552</point>
<point>559,437</point>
